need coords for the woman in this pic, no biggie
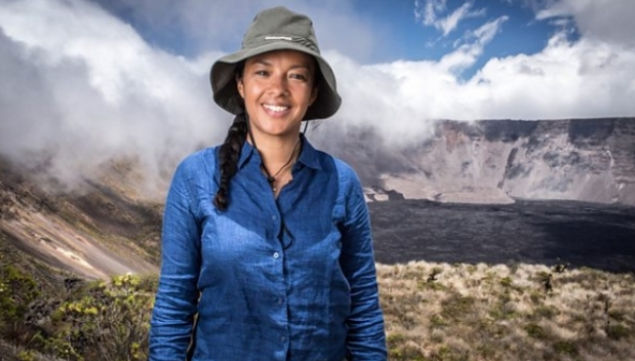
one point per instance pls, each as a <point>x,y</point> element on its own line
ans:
<point>266,239</point>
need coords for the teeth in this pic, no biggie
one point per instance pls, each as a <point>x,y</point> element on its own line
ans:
<point>276,108</point>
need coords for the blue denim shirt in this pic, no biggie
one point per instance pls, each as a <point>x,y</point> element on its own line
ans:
<point>287,278</point>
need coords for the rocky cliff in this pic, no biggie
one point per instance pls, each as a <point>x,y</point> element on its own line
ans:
<point>496,161</point>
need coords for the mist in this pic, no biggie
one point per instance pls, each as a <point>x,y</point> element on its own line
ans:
<point>84,84</point>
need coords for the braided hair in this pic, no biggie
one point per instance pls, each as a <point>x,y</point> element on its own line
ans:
<point>229,155</point>
<point>229,152</point>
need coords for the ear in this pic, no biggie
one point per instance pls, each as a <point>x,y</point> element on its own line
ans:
<point>240,86</point>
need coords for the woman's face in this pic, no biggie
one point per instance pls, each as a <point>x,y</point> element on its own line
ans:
<point>277,88</point>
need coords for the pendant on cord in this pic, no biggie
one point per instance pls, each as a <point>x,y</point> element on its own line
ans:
<point>271,179</point>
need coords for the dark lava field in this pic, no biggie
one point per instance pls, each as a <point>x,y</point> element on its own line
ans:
<point>545,232</point>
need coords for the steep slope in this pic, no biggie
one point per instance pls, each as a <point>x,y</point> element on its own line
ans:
<point>94,233</point>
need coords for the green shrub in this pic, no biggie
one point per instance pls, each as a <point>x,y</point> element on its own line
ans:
<point>17,291</point>
<point>94,321</point>
<point>436,321</point>
<point>406,353</point>
<point>535,331</point>
<point>565,347</point>
<point>446,353</point>
<point>456,306</point>
<point>395,339</point>
<point>26,355</point>
<point>617,331</point>
<point>544,312</point>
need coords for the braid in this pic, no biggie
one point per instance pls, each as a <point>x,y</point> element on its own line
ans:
<point>229,155</point>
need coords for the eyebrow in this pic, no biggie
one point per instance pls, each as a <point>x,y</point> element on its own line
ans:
<point>295,66</point>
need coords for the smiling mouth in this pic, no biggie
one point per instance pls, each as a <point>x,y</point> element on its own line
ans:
<point>276,109</point>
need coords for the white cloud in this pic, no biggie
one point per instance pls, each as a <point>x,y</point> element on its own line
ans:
<point>430,14</point>
<point>604,20</point>
<point>472,45</point>
<point>566,80</point>
<point>450,22</point>
<point>426,12</point>
<point>80,86</point>
<point>400,100</point>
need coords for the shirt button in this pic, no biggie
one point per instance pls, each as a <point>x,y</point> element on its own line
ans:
<point>274,217</point>
<point>279,300</point>
<point>276,255</point>
<point>282,338</point>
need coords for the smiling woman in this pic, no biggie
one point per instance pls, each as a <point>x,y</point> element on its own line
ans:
<point>277,88</point>
<point>266,241</point>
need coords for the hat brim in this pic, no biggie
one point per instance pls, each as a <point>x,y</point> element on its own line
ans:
<point>222,78</point>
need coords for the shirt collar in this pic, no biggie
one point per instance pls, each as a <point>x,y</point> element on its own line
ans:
<point>245,154</point>
<point>308,155</point>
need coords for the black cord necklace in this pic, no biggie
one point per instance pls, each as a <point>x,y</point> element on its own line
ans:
<point>272,178</point>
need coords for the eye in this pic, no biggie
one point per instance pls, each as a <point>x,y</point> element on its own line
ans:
<point>261,72</point>
<point>299,76</point>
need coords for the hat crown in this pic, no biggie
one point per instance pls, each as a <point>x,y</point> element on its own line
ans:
<point>280,24</point>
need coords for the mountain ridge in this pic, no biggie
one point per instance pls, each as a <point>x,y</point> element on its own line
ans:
<point>497,161</point>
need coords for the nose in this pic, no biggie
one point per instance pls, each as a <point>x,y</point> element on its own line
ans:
<point>278,84</point>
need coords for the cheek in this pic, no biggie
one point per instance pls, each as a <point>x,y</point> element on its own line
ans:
<point>305,94</point>
<point>244,85</point>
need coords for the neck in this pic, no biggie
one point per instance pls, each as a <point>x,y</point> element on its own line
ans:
<point>276,151</point>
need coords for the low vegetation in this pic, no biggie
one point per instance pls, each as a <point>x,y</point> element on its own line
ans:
<point>85,320</point>
<point>433,312</point>
<point>521,312</point>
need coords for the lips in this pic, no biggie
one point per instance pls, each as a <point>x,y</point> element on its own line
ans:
<point>276,110</point>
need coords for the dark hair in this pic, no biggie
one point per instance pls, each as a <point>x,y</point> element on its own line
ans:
<point>229,154</point>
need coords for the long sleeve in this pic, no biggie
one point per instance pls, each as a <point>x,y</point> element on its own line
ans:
<point>366,336</point>
<point>176,298</point>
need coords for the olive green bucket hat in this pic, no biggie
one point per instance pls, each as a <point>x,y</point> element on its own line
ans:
<point>276,29</point>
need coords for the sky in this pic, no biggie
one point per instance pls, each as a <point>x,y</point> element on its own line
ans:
<point>84,81</point>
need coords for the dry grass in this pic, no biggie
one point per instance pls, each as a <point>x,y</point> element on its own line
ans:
<point>457,312</point>
<point>433,312</point>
